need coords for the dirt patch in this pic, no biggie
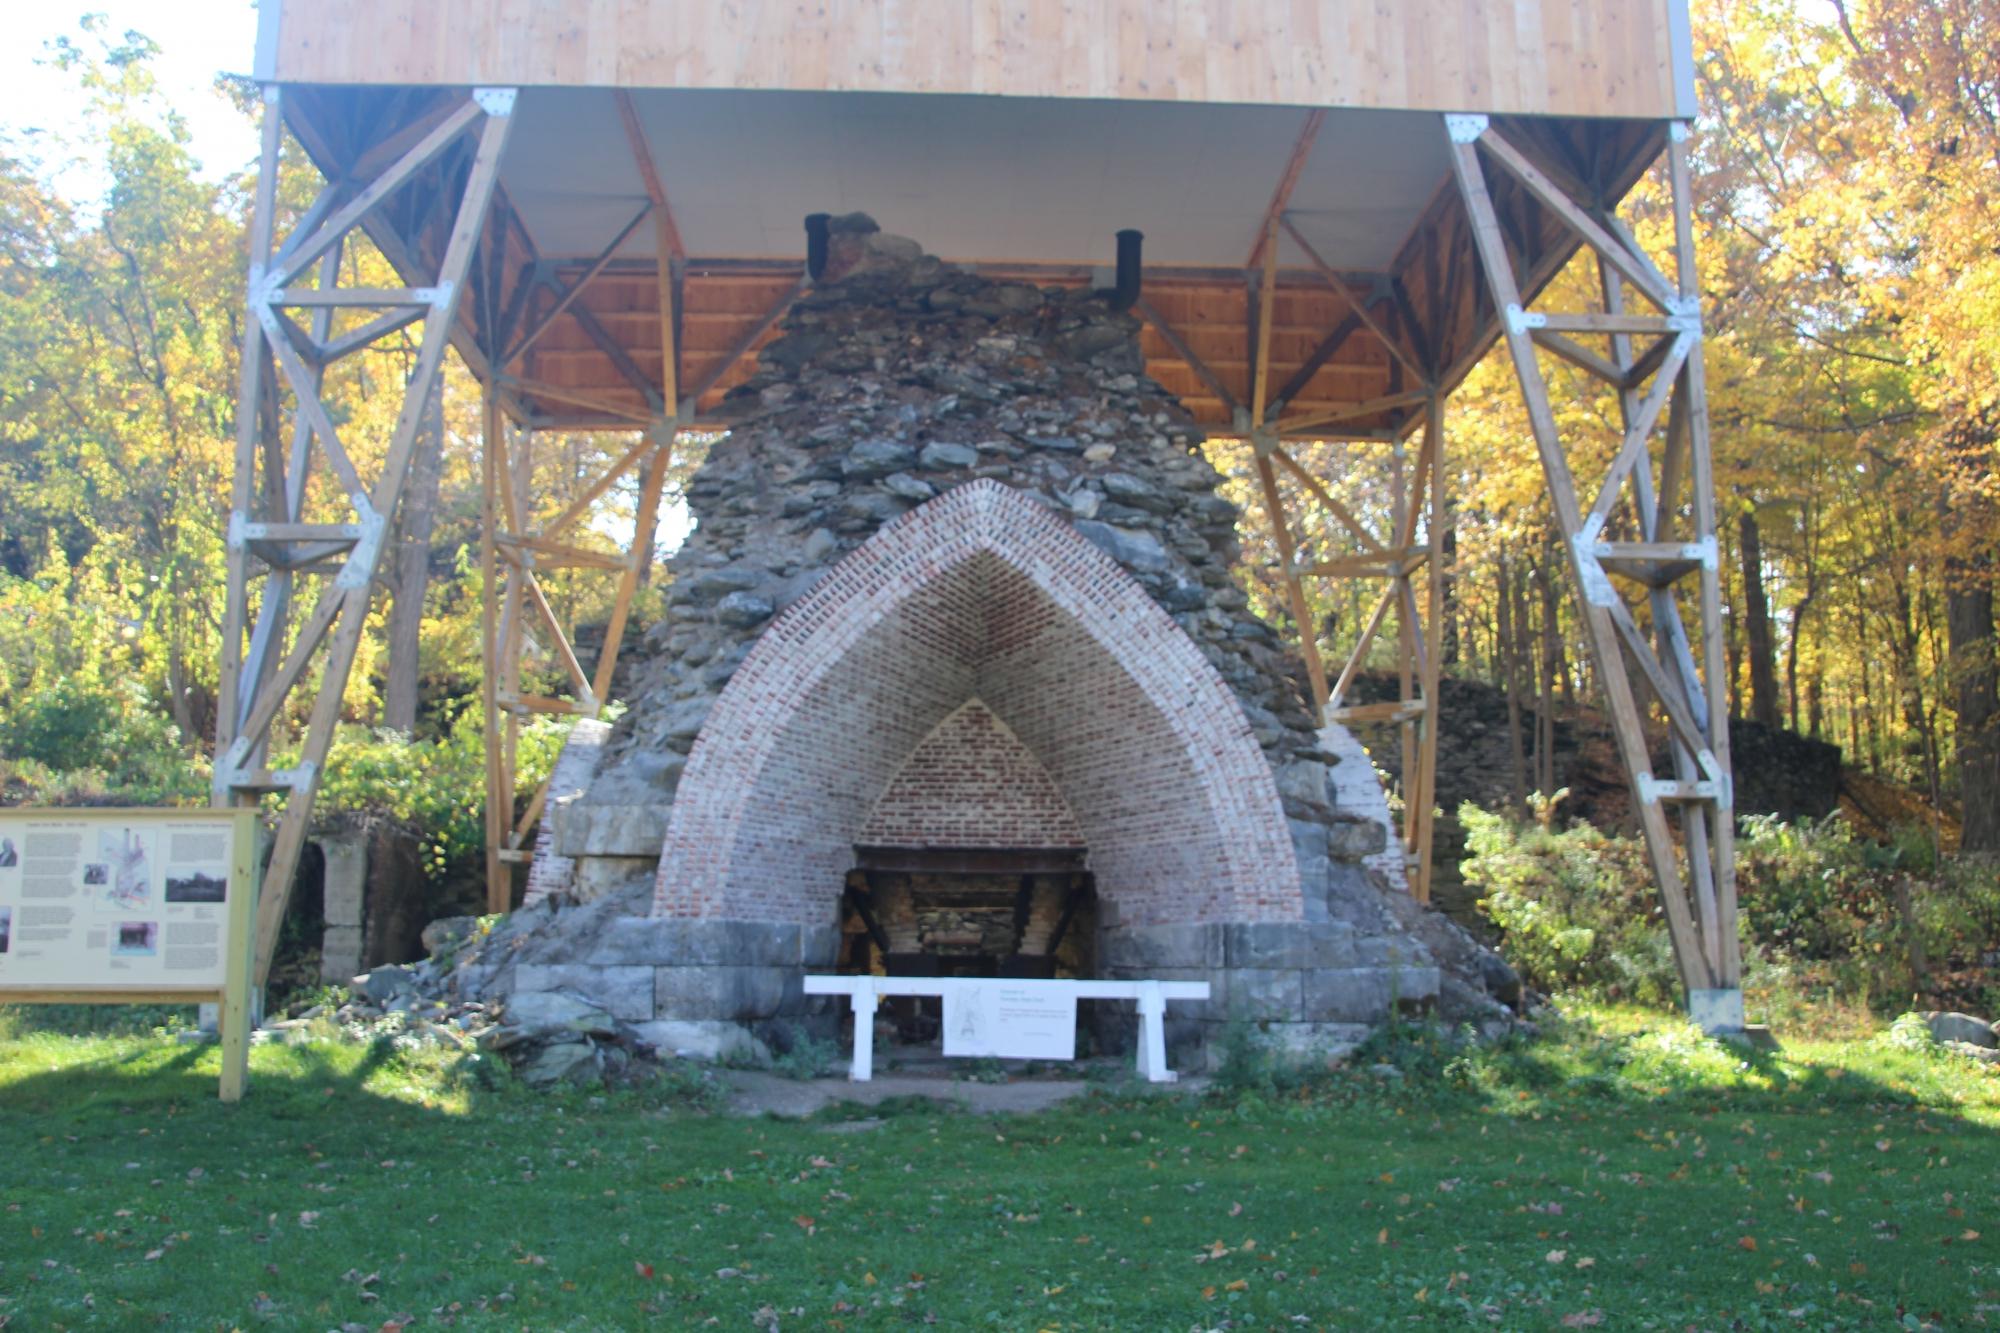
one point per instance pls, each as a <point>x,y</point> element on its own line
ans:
<point>754,1092</point>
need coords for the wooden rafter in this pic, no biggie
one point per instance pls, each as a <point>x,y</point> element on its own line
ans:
<point>1295,165</point>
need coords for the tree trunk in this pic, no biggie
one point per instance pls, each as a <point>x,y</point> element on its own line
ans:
<point>1976,700</point>
<point>413,566</point>
<point>1757,623</point>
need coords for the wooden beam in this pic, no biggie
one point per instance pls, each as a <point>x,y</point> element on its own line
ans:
<point>1288,180</point>
<point>1186,353</point>
<point>1340,512</point>
<point>1314,362</point>
<point>1633,264</point>
<point>567,295</point>
<point>741,348</point>
<point>1359,309</point>
<point>1274,507</point>
<point>649,173</point>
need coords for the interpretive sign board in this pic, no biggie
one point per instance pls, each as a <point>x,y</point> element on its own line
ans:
<point>128,907</point>
<point>1010,1021</point>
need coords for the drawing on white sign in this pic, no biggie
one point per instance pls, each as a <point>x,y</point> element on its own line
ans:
<point>126,870</point>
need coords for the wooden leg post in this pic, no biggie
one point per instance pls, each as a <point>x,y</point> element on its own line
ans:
<point>1701,908</point>
<point>255,694</point>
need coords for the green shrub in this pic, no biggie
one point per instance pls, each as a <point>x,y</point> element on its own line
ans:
<point>437,787</point>
<point>1823,911</point>
<point>1576,906</point>
<point>78,737</point>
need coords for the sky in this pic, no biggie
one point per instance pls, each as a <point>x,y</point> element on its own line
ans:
<point>198,39</point>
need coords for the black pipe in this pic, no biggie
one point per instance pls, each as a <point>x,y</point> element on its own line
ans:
<point>1127,290</point>
<point>816,224</point>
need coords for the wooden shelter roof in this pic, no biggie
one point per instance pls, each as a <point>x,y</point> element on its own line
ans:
<point>1024,163</point>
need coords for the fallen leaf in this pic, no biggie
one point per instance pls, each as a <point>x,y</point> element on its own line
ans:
<point>1746,1242</point>
<point>643,1270</point>
<point>1557,1256</point>
<point>1583,1319</point>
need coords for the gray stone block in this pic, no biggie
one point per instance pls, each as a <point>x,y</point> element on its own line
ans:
<point>1298,944</point>
<point>594,877</point>
<point>1366,994</point>
<point>703,1039</point>
<point>819,947</point>
<point>623,992</point>
<point>340,953</point>
<point>587,829</point>
<point>1145,949</point>
<point>1348,995</point>
<point>345,878</point>
<point>1353,839</point>
<point>678,942</point>
<point>743,994</point>
<point>1257,995</point>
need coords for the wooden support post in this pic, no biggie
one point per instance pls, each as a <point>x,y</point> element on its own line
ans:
<point>333,632</point>
<point>1263,442</point>
<point>1423,817</point>
<point>510,533</point>
<point>1700,910</point>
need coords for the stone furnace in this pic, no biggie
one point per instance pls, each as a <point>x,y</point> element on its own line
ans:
<point>955,678</point>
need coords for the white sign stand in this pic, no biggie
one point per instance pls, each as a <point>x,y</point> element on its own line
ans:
<point>1013,1018</point>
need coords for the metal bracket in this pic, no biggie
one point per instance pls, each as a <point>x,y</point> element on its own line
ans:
<point>495,102</point>
<point>1519,321</point>
<point>239,522</point>
<point>1704,551</point>
<point>358,569</point>
<point>1678,131</point>
<point>1263,441</point>
<point>1589,549</point>
<point>437,298</point>
<point>1465,128</point>
<point>1723,783</point>
<point>1684,314</point>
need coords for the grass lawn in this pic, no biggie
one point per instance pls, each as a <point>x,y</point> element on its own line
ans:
<point>1619,1172</point>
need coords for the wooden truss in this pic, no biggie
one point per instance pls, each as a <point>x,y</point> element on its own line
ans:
<point>514,548</point>
<point>1649,527</point>
<point>455,154</point>
<point>1410,564</point>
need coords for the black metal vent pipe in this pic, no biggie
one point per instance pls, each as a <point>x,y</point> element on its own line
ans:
<point>1127,290</point>
<point>816,224</point>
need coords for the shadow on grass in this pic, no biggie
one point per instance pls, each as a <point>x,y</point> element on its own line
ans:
<point>88,1079</point>
<point>1632,1063</point>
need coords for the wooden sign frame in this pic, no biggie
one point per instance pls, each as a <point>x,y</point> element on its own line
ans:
<point>233,998</point>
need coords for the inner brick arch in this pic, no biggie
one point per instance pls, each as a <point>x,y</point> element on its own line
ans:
<point>979,593</point>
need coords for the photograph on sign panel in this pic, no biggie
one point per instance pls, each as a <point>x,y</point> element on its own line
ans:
<point>9,855</point>
<point>125,852</point>
<point>136,939</point>
<point>197,886</point>
<point>6,928</point>
<point>96,872</point>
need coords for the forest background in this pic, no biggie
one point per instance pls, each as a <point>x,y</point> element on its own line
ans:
<point>1848,213</point>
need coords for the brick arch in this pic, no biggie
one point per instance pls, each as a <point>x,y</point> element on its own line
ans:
<point>979,593</point>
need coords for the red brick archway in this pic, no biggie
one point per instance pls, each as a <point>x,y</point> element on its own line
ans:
<point>980,593</point>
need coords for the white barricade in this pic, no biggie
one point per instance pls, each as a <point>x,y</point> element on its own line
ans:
<point>957,992</point>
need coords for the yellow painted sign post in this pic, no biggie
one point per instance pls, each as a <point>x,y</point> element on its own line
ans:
<point>131,906</point>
